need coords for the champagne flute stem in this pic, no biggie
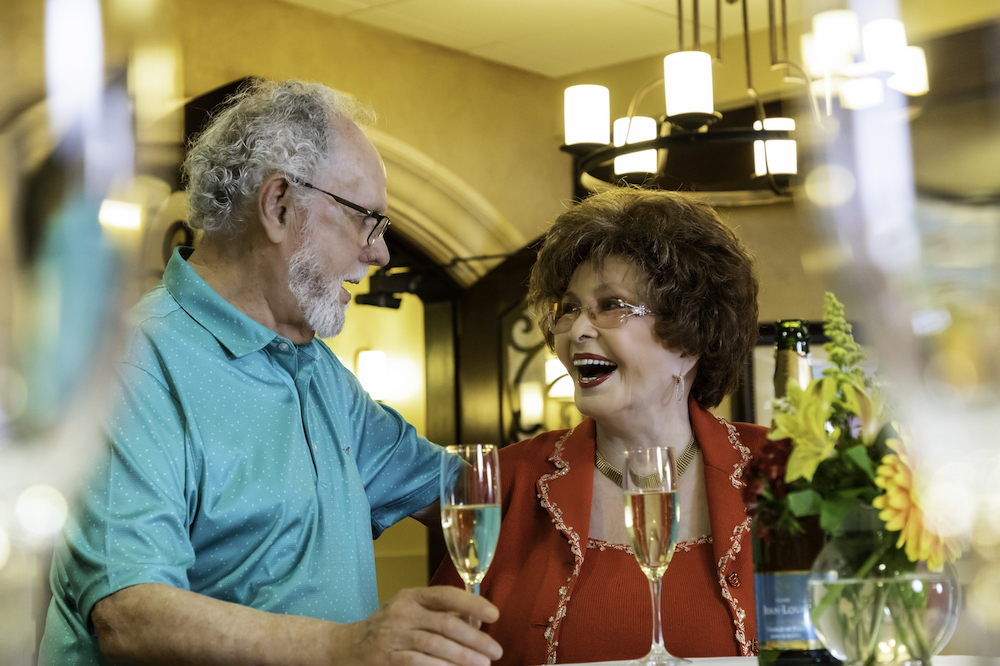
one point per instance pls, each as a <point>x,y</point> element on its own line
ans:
<point>655,589</point>
<point>474,589</point>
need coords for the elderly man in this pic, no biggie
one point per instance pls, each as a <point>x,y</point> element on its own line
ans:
<point>232,520</point>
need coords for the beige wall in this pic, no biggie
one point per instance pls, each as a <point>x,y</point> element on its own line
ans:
<point>490,124</point>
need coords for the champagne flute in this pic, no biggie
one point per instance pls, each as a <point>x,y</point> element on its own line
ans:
<point>470,508</point>
<point>652,514</point>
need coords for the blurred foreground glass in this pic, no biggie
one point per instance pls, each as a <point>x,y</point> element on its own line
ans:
<point>64,270</point>
<point>908,195</point>
<point>470,508</point>
<point>652,517</point>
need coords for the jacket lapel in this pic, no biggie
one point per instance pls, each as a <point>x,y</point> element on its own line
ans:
<point>570,485</point>
<point>726,457</point>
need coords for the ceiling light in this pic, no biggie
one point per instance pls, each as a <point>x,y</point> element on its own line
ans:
<point>884,42</point>
<point>911,74</point>
<point>775,156</point>
<point>687,83</point>
<point>587,115</point>
<point>637,128</point>
<point>844,62</point>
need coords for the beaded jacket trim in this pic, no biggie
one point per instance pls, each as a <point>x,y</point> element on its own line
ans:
<point>562,468</point>
<point>685,546</point>
<point>746,646</point>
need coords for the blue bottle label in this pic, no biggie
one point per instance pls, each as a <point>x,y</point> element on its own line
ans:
<point>782,612</point>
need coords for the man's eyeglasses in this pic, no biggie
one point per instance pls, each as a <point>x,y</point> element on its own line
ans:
<point>381,221</point>
<point>610,313</point>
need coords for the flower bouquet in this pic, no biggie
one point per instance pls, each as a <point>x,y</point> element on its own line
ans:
<point>877,592</point>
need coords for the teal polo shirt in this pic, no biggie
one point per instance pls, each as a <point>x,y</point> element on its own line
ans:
<point>240,466</point>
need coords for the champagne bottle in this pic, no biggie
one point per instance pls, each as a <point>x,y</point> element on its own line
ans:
<point>791,355</point>
<point>785,634</point>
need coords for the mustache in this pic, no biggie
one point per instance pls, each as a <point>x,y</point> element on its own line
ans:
<point>356,277</point>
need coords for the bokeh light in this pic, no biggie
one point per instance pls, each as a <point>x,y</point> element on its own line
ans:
<point>830,185</point>
<point>41,511</point>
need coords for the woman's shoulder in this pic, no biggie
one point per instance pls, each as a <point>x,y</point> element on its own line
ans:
<point>754,436</point>
<point>711,427</point>
<point>541,445</point>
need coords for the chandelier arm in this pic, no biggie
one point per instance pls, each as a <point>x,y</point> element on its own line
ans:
<point>772,34</point>
<point>605,154</point>
<point>718,30</point>
<point>696,18</point>
<point>813,104</point>
<point>640,94</point>
<point>746,44</point>
<point>784,29</point>
<point>758,106</point>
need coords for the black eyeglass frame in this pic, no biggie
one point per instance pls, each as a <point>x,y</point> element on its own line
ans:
<point>382,222</point>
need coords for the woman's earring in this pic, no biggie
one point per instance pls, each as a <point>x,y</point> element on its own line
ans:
<point>679,388</point>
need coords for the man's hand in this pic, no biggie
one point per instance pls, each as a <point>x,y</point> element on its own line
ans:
<point>426,626</point>
<point>154,623</point>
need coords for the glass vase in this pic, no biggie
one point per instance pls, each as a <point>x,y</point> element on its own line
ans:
<point>870,605</point>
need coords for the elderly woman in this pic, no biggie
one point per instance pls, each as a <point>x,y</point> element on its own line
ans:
<point>649,300</point>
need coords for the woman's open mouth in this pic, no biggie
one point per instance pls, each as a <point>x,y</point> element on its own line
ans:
<point>592,370</point>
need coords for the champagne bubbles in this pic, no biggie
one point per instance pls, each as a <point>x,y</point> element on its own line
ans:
<point>41,511</point>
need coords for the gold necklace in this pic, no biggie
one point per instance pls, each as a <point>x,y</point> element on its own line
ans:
<point>650,480</point>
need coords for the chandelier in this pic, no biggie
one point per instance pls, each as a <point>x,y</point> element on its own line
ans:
<point>844,65</point>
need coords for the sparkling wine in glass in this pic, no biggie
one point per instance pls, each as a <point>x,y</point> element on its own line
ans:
<point>652,514</point>
<point>470,508</point>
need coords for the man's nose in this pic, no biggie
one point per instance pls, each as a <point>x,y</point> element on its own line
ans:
<point>377,254</point>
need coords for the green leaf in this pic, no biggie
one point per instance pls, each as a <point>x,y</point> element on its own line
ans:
<point>859,456</point>
<point>805,503</point>
<point>835,508</point>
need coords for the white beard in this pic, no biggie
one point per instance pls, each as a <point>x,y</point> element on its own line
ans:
<point>318,295</point>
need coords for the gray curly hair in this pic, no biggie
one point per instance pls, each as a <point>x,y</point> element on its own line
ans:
<point>267,127</point>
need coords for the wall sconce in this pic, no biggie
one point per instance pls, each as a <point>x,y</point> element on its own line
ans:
<point>120,215</point>
<point>557,379</point>
<point>371,372</point>
<point>532,401</point>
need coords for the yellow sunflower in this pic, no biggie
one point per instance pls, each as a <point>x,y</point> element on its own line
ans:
<point>899,507</point>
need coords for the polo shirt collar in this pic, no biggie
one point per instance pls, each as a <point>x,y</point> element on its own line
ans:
<point>238,333</point>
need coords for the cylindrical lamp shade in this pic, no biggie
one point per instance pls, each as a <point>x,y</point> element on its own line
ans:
<point>777,156</point>
<point>687,82</point>
<point>642,128</point>
<point>911,73</point>
<point>835,38</point>
<point>587,113</point>
<point>862,93</point>
<point>884,43</point>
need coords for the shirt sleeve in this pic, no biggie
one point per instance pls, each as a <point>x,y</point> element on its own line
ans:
<point>131,524</point>
<point>399,468</point>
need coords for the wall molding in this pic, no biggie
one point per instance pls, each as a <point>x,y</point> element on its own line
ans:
<point>441,213</point>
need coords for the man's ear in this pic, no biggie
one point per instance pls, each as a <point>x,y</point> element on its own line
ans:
<point>274,207</point>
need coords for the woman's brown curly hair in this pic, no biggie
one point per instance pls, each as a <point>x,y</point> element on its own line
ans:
<point>701,281</point>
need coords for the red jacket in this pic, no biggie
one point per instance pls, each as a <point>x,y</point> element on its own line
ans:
<point>541,559</point>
